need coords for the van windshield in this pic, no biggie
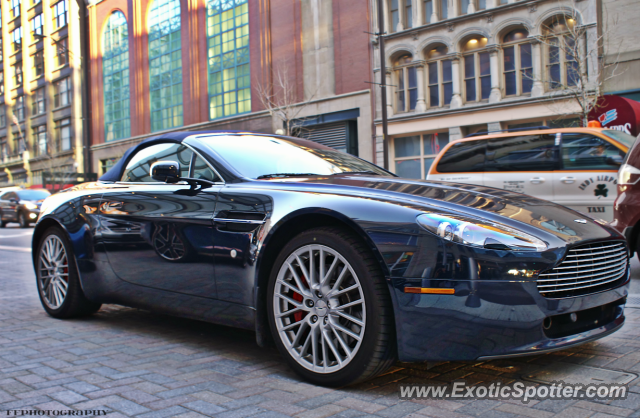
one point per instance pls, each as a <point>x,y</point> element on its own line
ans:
<point>620,136</point>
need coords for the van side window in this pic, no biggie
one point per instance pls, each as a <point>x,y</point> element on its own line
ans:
<point>588,152</point>
<point>522,153</point>
<point>463,157</point>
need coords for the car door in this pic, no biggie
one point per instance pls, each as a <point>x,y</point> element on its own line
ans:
<point>523,164</point>
<point>161,235</point>
<point>587,180</point>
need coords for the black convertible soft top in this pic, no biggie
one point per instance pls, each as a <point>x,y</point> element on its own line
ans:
<point>115,172</point>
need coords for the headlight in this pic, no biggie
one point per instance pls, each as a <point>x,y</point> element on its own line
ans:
<point>628,174</point>
<point>30,205</point>
<point>479,233</point>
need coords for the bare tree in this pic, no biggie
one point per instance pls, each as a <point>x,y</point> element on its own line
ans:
<point>576,68</point>
<point>280,100</point>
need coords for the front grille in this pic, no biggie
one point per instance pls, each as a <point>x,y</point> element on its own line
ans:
<point>586,269</point>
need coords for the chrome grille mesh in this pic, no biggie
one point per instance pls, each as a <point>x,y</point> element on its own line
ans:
<point>586,269</point>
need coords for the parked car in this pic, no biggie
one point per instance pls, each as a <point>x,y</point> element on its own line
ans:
<point>345,266</point>
<point>626,209</point>
<point>575,167</point>
<point>21,206</point>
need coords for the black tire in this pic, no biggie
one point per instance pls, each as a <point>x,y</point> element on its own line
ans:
<point>75,303</point>
<point>378,347</point>
<point>23,220</point>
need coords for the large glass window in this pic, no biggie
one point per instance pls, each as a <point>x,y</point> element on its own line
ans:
<point>428,10</point>
<point>562,49</point>
<point>62,92</point>
<point>413,155</point>
<point>407,85</point>
<point>15,8</point>
<point>439,77</point>
<point>60,14</point>
<point>18,108</point>
<point>63,134</point>
<point>1,80</point>
<point>38,102</point>
<point>444,9</point>
<point>408,14</point>
<point>38,64</point>
<point>3,116</point>
<point>40,139</point>
<point>395,15</point>
<point>115,76</point>
<point>477,70</point>
<point>518,64</point>
<point>62,53</point>
<point>17,74</point>
<point>36,27</point>
<point>229,72</point>
<point>588,152</point>
<point>165,64</point>
<point>16,39</point>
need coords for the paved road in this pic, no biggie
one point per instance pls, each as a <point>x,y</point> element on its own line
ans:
<point>134,363</point>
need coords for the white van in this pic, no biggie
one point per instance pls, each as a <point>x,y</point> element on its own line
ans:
<point>575,167</point>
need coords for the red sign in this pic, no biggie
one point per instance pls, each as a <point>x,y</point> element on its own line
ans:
<point>619,113</point>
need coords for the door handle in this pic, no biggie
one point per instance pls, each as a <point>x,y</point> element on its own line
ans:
<point>568,180</point>
<point>537,180</point>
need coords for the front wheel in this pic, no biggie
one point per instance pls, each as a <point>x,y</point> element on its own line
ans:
<point>23,220</point>
<point>57,276</point>
<point>330,310</point>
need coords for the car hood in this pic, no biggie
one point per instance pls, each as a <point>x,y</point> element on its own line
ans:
<point>540,217</point>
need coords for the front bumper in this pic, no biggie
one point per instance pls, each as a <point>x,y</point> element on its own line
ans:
<point>491,319</point>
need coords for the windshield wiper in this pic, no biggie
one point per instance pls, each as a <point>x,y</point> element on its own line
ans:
<point>270,176</point>
<point>358,172</point>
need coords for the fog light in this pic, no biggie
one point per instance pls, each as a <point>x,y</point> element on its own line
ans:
<point>33,216</point>
<point>573,317</point>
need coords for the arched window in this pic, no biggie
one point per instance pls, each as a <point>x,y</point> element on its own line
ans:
<point>439,77</point>
<point>518,64</point>
<point>165,64</point>
<point>407,85</point>
<point>477,69</point>
<point>228,45</point>
<point>562,47</point>
<point>115,77</point>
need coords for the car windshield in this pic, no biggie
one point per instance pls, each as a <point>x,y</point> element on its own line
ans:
<point>262,157</point>
<point>33,194</point>
<point>621,137</point>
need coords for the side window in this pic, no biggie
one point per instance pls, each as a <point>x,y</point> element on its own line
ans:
<point>588,152</point>
<point>522,153</point>
<point>6,196</point>
<point>202,171</point>
<point>139,167</point>
<point>463,157</point>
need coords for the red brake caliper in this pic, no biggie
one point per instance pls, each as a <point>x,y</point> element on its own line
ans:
<point>298,297</point>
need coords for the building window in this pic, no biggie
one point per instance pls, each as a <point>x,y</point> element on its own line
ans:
<point>408,14</point>
<point>394,9</point>
<point>477,70</point>
<point>482,5</point>
<point>165,64</point>
<point>4,150</point>
<point>62,53</point>
<point>60,11</point>
<point>38,64</point>
<point>62,92</point>
<point>562,45</point>
<point>464,6</point>
<point>229,72</point>
<point>3,116</point>
<point>428,10</point>
<point>105,165</point>
<point>1,48</point>
<point>18,108</point>
<point>34,2</point>
<point>407,85</point>
<point>15,8</point>
<point>36,27</point>
<point>115,73</point>
<point>63,134</point>
<point>413,155</point>
<point>444,9</point>
<point>38,105</point>
<point>16,39</point>
<point>518,65</point>
<point>439,77</point>
<point>17,74</point>
<point>40,140</point>
<point>1,80</point>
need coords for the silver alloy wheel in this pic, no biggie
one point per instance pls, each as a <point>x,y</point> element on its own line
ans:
<point>53,272</point>
<point>319,308</point>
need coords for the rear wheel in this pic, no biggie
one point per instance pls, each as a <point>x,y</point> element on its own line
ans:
<point>57,276</point>
<point>330,310</point>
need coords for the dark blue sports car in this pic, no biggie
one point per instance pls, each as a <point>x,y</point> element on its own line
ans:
<point>345,267</point>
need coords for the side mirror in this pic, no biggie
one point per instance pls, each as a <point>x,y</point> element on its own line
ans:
<point>165,171</point>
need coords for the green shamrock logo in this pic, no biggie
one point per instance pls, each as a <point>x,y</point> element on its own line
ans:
<point>601,190</point>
